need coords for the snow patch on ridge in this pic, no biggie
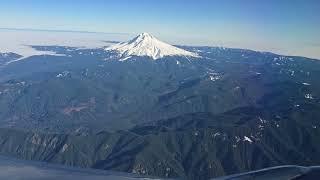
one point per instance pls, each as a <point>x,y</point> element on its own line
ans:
<point>246,138</point>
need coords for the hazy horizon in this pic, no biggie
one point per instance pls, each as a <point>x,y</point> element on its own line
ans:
<point>283,27</point>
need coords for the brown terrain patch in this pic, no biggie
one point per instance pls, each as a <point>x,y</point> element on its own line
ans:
<point>79,107</point>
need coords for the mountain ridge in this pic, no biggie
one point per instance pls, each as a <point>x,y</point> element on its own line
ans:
<point>229,112</point>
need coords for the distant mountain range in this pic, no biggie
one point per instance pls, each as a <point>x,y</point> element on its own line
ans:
<point>150,108</point>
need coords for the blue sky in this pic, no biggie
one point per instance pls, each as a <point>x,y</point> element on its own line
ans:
<point>256,24</point>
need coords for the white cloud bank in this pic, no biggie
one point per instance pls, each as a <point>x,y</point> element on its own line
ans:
<point>19,41</point>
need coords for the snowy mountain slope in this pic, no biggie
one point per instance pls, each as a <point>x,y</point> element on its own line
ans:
<point>147,45</point>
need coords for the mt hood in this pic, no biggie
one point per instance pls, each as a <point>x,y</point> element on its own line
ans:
<point>147,45</point>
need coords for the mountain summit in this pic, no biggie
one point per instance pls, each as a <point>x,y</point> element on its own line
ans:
<point>147,45</point>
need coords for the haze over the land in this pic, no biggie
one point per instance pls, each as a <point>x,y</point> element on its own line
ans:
<point>285,27</point>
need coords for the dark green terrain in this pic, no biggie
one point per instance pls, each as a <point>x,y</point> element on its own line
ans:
<point>227,112</point>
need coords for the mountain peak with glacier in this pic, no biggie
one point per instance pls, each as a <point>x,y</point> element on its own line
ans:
<point>146,44</point>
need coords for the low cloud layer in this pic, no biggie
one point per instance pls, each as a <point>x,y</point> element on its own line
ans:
<point>20,41</point>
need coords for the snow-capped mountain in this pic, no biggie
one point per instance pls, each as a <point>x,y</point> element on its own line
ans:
<point>147,45</point>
